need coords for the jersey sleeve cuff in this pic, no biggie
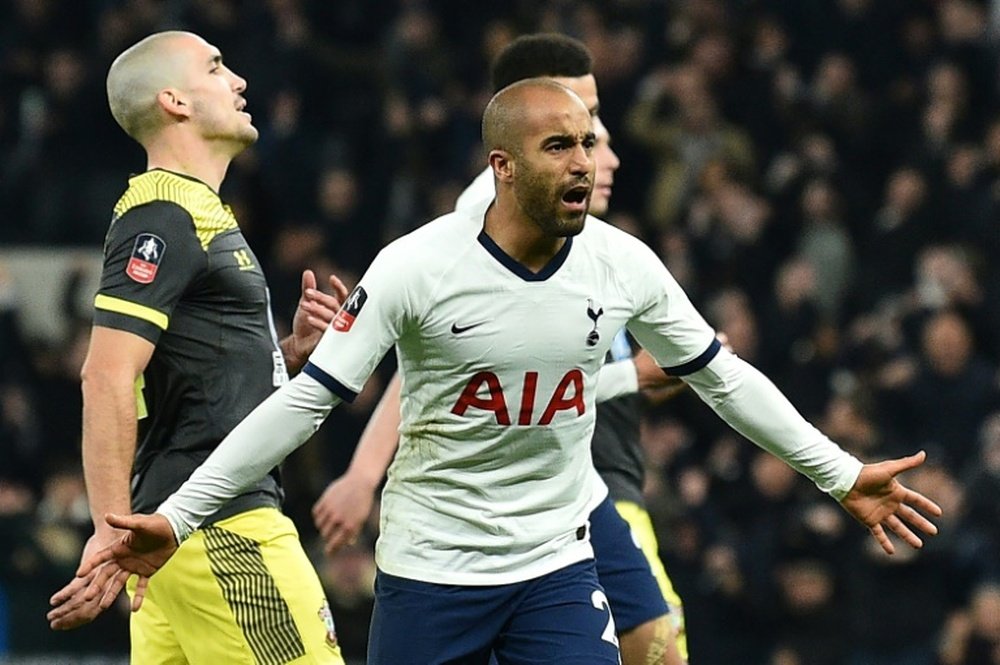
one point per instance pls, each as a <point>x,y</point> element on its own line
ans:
<point>692,366</point>
<point>845,479</point>
<point>330,383</point>
<point>182,530</point>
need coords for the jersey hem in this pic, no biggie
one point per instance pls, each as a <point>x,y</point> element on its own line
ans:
<point>522,574</point>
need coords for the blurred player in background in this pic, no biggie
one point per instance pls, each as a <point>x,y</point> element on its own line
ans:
<point>183,347</point>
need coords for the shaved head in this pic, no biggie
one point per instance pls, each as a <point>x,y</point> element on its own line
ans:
<point>540,138</point>
<point>508,115</point>
<point>140,73</point>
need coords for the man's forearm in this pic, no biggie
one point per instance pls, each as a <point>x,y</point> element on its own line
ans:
<point>261,441</point>
<point>754,407</point>
<point>108,448</point>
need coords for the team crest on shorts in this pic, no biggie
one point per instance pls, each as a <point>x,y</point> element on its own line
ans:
<point>326,616</point>
<point>344,319</point>
<point>147,252</point>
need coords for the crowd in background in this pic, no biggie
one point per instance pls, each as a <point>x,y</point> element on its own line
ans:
<point>822,176</point>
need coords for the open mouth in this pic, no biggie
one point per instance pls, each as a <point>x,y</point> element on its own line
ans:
<point>576,197</point>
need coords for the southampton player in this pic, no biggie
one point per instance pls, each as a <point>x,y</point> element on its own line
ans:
<point>183,347</point>
<point>500,334</point>
<point>636,588</point>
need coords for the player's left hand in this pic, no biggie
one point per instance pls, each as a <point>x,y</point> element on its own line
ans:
<point>879,501</point>
<point>313,315</point>
<point>85,598</point>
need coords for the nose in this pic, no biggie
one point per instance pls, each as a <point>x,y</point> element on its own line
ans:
<point>583,160</point>
<point>606,157</point>
<point>239,83</point>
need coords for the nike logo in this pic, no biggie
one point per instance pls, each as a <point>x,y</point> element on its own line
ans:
<point>458,330</point>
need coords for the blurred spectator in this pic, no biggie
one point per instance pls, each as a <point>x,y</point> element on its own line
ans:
<point>825,244</point>
<point>951,393</point>
<point>683,138</point>
<point>810,615</point>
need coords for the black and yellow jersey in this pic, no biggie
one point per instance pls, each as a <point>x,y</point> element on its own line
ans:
<point>617,452</point>
<point>178,272</point>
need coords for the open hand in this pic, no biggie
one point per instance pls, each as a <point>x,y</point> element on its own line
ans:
<point>147,545</point>
<point>85,598</point>
<point>878,500</point>
<point>313,315</point>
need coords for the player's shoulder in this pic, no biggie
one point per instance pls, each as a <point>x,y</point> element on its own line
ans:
<point>437,240</point>
<point>451,229</point>
<point>600,234</point>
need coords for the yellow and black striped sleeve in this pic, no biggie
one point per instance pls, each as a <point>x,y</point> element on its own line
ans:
<point>151,256</point>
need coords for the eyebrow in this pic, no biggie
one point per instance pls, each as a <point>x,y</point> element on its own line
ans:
<point>568,138</point>
<point>216,59</point>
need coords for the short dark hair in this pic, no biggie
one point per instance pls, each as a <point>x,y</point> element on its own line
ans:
<point>541,54</point>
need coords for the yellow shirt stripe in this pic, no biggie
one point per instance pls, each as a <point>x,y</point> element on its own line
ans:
<point>211,216</point>
<point>119,306</point>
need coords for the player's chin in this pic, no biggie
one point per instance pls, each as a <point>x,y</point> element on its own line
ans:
<point>247,135</point>
<point>571,226</point>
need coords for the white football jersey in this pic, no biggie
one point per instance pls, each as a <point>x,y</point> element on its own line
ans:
<point>475,199</point>
<point>492,482</point>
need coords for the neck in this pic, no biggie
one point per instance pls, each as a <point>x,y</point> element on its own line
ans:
<point>186,155</point>
<point>518,236</point>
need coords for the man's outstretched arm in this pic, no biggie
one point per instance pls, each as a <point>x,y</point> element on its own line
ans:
<point>274,429</point>
<point>871,493</point>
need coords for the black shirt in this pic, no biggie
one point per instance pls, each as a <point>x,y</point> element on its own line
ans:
<point>178,272</point>
<point>616,449</point>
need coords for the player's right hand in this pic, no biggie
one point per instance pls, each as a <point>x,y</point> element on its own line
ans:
<point>341,511</point>
<point>147,544</point>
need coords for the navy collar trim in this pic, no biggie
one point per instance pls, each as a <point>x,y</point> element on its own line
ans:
<point>518,268</point>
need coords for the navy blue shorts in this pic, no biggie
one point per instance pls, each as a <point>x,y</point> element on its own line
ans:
<point>559,618</point>
<point>623,570</point>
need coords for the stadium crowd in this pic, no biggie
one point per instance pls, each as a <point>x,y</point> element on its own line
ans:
<point>822,177</point>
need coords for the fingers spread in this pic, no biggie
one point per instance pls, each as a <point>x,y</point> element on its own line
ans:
<point>339,289</point>
<point>923,504</point>
<point>68,591</point>
<point>917,520</point>
<point>308,280</point>
<point>140,593</point>
<point>113,588</point>
<point>883,539</point>
<point>897,527</point>
<point>99,582</point>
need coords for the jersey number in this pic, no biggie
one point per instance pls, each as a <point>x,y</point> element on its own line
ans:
<point>600,601</point>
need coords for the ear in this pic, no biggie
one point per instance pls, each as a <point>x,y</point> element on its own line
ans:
<point>173,103</point>
<point>502,163</point>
